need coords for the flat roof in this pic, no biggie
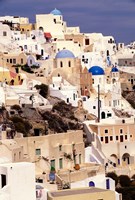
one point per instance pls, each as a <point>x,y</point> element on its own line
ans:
<point>76,191</point>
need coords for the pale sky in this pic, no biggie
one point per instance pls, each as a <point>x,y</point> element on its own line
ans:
<point>110,17</point>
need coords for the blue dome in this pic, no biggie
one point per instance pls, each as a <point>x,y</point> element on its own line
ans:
<point>56,12</point>
<point>96,70</point>
<point>114,69</point>
<point>64,54</point>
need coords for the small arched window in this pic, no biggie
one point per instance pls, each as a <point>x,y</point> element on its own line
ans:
<point>69,63</point>
<point>61,64</point>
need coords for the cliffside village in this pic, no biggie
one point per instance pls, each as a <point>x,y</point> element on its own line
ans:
<point>87,71</point>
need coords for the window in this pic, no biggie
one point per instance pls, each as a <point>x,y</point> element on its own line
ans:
<point>94,107</point>
<point>84,98</point>
<point>131,136</point>
<point>25,46</point>
<point>69,63</point>
<point>107,184</point>
<point>86,61</point>
<point>61,163</point>
<point>106,130</point>
<point>102,139</point>
<point>14,156</point>
<point>80,158</point>
<point>109,114</point>
<point>7,60</point>
<point>10,60</point>
<point>61,64</point>
<point>123,121</point>
<point>52,163</point>
<point>125,137</point>
<point>14,61</point>
<point>31,61</point>
<point>91,184</point>
<point>36,47</point>
<point>54,21</point>
<point>21,60</point>
<point>117,138</point>
<point>3,180</point>
<point>111,138</point>
<point>87,42</point>
<point>60,147</point>
<point>4,33</point>
<point>121,131</point>
<point>38,152</point>
<point>93,81</point>
<point>106,139</point>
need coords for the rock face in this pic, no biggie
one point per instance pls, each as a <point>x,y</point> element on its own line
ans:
<point>61,118</point>
<point>130,97</point>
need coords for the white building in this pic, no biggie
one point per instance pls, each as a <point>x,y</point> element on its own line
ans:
<point>17,181</point>
<point>89,59</point>
<point>62,89</point>
<point>52,23</point>
<point>98,77</point>
<point>99,181</point>
<point>5,34</point>
<point>15,19</point>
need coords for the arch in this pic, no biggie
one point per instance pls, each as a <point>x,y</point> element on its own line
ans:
<point>91,184</point>
<point>126,158</point>
<point>41,28</point>
<point>114,158</point>
<point>102,115</point>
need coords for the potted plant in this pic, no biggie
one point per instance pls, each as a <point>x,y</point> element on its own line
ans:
<point>77,167</point>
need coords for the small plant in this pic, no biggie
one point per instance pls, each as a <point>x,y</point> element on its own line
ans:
<point>52,169</point>
<point>68,156</point>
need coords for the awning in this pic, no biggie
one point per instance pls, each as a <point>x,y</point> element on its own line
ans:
<point>47,35</point>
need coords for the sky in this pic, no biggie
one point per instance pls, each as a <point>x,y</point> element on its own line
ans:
<point>109,17</point>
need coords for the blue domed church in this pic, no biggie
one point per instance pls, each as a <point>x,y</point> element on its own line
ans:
<point>98,76</point>
<point>65,58</point>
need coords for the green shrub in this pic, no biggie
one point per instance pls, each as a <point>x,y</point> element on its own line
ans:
<point>124,180</point>
<point>43,90</point>
<point>16,107</point>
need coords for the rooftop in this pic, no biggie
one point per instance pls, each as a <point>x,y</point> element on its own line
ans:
<point>76,191</point>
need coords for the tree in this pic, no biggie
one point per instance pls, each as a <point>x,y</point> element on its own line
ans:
<point>43,90</point>
<point>124,180</point>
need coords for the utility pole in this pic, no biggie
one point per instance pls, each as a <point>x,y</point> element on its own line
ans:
<point>99,103</point>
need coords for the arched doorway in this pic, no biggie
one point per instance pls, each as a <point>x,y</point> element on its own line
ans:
<point>126,158</point>
<point>91,184</point>
<point>103,115</point>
